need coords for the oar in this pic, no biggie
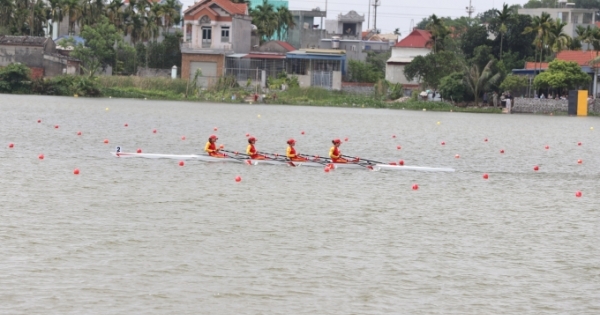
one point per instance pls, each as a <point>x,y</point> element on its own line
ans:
<point>264,154</point>
<point>352,157</point>
<point>244,160</point>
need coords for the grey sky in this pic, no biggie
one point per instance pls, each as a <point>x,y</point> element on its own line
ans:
<point>394,14</point>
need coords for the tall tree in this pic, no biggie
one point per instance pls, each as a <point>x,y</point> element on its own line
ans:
<point>265,19</point>
<point>558,40</point>
<point>438,31</point>
<point>477,79</point>
<point>503,17</point>
<point>540,25</point>
<point>285,21</point>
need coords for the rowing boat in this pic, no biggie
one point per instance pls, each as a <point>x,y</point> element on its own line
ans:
<point>208,158</point>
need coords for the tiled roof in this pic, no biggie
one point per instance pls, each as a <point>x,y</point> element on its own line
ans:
<point>535,65</point>
<point>581,57</point>
<point>416,39</point>
<point>22,40</point>
<point>285,45</point>
<point>227,5</point>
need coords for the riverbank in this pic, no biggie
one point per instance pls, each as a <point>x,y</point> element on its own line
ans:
<point>178,90</point>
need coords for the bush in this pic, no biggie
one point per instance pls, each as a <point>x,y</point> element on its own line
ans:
<point>452,87</point>
<point>66,85</point>
<point>15,78</point>
<point>414,96</point>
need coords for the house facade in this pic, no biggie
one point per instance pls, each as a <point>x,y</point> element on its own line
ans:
<point>572,16</point>
<point>213,29</point>
<point>413,45</point>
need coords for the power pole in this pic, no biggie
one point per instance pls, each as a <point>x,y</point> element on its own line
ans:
<point>369,17</point>
<point>376,3</point>
<point>470,9</point>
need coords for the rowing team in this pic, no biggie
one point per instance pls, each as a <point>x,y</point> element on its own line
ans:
<point>334,153</point>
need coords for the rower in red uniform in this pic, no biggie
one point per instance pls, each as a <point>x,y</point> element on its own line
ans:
<point>336,155</point>
<point>251,150</point>
<point>291,152</point>
<point>211,147</point>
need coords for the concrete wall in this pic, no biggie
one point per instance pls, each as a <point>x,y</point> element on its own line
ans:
<point>241,34</point>
<point>186,59</point>
<point>546,106</point>
<point>405,52</point>
<point>32,56</point>
<point>337,81</point>
<point>358,88</point>
<point>305,80</point>
<point>395,74</point>
<point>305,38</point>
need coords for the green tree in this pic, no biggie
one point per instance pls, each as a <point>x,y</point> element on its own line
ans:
<point>438,31</point>
<point>14,78</point>
<point>453,87</point>
<point>285,21</point>
<point>558,40</point>
<point>514,83</point>
<point>265,19</point>
<point>430,69</point>
<point>475,36</point>
<point>477,80</point>
<point>359,71</point>
<point>562,75</point>
<point>503,17</point>
<point>540,25</point>
<point>99,49</point>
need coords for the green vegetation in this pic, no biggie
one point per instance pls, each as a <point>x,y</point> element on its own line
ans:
<point>269,21</point>
<point>14,79</point>
<point>562,75</point>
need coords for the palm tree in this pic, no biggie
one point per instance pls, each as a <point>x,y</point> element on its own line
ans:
<point>477,81</point>
<point>265,19</point>
<point>72,9</point>
<point>438,31</point>
<point>7,8</point>
<point>558,39</point>
<point>170,13</point>
<point>285,21</point>
<point>503,17</point>
<point>155,17</point>
<point>114,11</point>
<point>540,25</point>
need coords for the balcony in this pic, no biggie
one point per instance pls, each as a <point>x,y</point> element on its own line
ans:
<point>189,48</point>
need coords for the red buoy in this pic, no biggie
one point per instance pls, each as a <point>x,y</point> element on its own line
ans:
<point>302,132</point>
<point>457,156</point>
<point>327,169</point>
<point>105,140</point>
<point>238,179</point>
<point>393,136</point>
<point>415,187</point>
<point>401,162</point>
<point>139,151</point>
<point>154,131</point>
<point>485,140</point>
<point>486,176</point>
<point>578,194</point>
<point>11,145</point>
<point>536,168</point>
<point>247,135</point>
<point>55,126</point>
<point>79,133</point>
<point>501,151</point>
<point>346,139</point>
<point>215,129</point>
<point>579,143</point>
<point>181,163</point>
<point>443,143</point>
<point>76,171</point>
<point>39,121</point>
<point>126,125</point>
<point>398,147</point>
<point>221,146</point>
<point>547,147</point>
<point>579,161</point>
<point>182,137</point>
<point>41,156</point>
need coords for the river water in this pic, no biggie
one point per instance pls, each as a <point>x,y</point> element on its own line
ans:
<point>137,236</point>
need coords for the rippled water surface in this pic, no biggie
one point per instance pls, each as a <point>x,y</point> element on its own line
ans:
<point>137,236</point>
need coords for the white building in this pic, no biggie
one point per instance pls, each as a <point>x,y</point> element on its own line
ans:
<point>413,45</point>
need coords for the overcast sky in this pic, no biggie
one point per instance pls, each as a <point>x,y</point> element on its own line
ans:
<point>394,14</point>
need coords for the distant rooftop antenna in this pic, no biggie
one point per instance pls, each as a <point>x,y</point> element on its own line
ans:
<point>412,25</point>
<point>470,9</point>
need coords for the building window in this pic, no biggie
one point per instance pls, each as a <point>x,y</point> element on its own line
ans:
<point>563,16</point>
<point>225,34</point>
<point>587,18</point>
<point>575,18</point>
<point>206,37</point>
<point>188,33</point>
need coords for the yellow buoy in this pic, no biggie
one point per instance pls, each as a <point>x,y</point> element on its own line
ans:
<point>107,109</point>
<point>258,115</point>
<point>75,95</point>
<point>439,123</point>
<point>424,109</point>
<point>591,128</point>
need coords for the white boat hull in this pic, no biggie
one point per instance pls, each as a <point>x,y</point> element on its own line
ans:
<point>207,158</point>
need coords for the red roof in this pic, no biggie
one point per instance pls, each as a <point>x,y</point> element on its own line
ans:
<point>535,65</point>
<point>416,39</point>
<point>581,57</point>
<point>285,45</point>
<point>227,5</point>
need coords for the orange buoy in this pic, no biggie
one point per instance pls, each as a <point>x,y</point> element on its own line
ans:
<point>238,179</point>
<point>41,156</point>
<point>578,194</point>
<point>579,143</point>
<point>486,176</point>
<point>579,161</point>
<point>485,140</point>
<point>221,146</point>
<point>76,171</point>
<point>327,169</point>
<point>247,135</point>
<point>346,139</point>
<point>105,140</point>
<point>139,151</point>
<point>393,136</point>
<point>181,163</point>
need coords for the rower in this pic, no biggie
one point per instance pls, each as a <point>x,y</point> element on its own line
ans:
<point>211,147</point>
<point>336,155</point>
<point>291,152</point>
<point>251,150</point>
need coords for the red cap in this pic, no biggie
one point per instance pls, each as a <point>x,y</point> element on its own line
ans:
<point>251,139</point>
<point>291,141</point>
<point>214,137</point>
<point>337,141</point>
